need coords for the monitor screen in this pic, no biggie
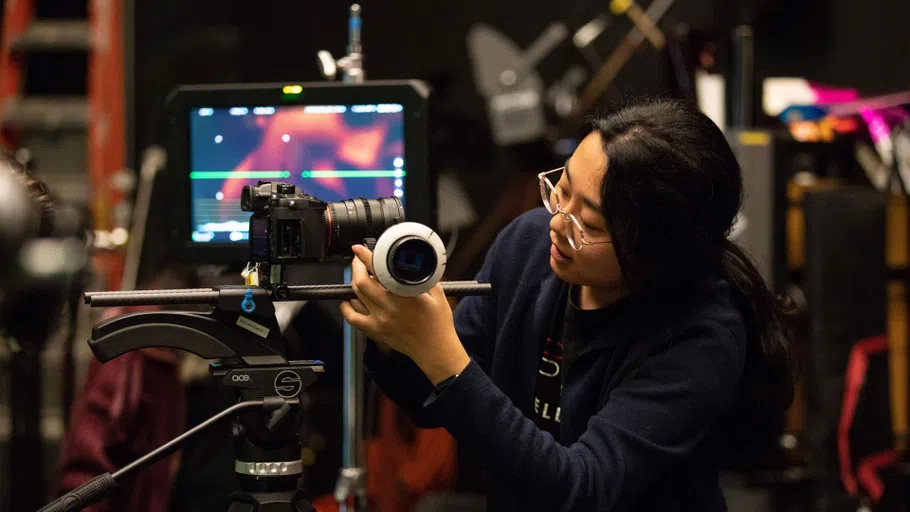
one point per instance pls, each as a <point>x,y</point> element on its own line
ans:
<point>333,152</point>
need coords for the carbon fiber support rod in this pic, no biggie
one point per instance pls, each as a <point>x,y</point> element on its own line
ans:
<point>210,296</point>
<point>344,291</point>
<point>152,297</point>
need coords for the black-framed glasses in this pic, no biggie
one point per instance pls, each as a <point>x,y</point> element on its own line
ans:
<point>550,198</point>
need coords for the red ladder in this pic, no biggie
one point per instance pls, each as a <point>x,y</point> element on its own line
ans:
<point>100,114</point>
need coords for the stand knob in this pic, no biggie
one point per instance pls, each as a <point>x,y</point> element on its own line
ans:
<point>327,66</point>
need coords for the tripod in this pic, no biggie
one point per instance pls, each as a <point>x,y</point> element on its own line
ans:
<point>242,334</point>
<point>266,485</point>
<point>268,464</point>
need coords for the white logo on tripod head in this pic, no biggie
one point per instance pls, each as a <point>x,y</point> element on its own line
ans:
<point>288,384</point>
<point>240,377</point>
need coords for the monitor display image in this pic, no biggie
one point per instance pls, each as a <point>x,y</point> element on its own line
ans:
<point>333,152</point>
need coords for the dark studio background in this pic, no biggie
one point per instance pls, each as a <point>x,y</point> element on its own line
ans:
<point>841,42</point>
<point>848,43</point>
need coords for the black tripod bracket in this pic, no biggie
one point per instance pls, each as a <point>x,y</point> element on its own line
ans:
<point>241,328</point>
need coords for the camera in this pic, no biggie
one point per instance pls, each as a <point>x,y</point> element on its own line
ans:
<point>289,226</point>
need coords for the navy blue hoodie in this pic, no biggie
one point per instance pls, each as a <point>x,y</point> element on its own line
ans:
<point>642,423</point>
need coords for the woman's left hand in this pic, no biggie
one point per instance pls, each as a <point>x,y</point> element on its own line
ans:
<point>420,327</point>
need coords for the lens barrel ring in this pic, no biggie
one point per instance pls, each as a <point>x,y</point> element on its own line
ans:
<point>370,232</point>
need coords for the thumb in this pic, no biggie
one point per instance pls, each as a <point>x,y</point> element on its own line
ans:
<point>437,292</point>
<point>365,256</point>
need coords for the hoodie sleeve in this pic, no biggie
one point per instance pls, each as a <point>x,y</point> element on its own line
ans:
<point>648,425</point>
<point>403,381</point>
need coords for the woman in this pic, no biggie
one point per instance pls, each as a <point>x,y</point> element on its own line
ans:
<point>625,337</point>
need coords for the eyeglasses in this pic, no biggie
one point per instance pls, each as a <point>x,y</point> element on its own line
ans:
<point>550,199</point>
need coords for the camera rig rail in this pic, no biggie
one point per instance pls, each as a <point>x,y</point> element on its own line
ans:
<point>241,328</point>
<point>211,295</point>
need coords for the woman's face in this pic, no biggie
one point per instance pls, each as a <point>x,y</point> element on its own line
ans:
<point>578,193</point>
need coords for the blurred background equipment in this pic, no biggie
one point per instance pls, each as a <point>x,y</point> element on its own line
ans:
<point>506,77</point>
<point>46,250</point>
<point>73,131</point>
<point>77,139</point>
<point>352,63</point>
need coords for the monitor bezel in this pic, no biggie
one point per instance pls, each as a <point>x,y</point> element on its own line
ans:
<point>413,95</point>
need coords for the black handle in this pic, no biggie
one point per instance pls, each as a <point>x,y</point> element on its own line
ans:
<point>84,495</point>
<point>97,487</point>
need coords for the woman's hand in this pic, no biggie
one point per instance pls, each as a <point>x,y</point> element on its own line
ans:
<point>419,327</point>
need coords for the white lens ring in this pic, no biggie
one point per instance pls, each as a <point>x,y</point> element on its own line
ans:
<point>386,243</point>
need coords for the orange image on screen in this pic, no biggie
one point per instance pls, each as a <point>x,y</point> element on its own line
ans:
<point>294,140</point>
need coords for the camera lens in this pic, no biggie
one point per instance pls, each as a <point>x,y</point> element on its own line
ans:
<point>352,220</point>
<point>412,260</point>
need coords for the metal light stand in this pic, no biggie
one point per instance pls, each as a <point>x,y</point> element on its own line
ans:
<point>352,479</point>
<point>352,63</point>
<point>743,79</point>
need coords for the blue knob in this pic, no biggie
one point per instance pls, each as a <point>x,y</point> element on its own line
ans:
<point>248,304</point>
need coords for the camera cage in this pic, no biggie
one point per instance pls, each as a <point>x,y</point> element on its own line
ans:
<point>413,95</point>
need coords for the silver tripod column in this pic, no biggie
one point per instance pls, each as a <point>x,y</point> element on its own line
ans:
<point>352,478</point>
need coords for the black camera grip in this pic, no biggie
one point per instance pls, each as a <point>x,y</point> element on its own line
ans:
<point>84,495</point>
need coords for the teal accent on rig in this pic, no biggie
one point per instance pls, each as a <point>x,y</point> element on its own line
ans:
<point>248,304</point>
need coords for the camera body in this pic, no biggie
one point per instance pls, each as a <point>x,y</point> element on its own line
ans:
<point>287,225</point>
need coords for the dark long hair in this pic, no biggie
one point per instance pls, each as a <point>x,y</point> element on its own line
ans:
<point>670,196</point>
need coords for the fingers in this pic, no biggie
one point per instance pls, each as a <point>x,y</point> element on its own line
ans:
<point>367,289</point>
<point>365,256</point>
<point>359,307</point>
<point>354,318</point>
